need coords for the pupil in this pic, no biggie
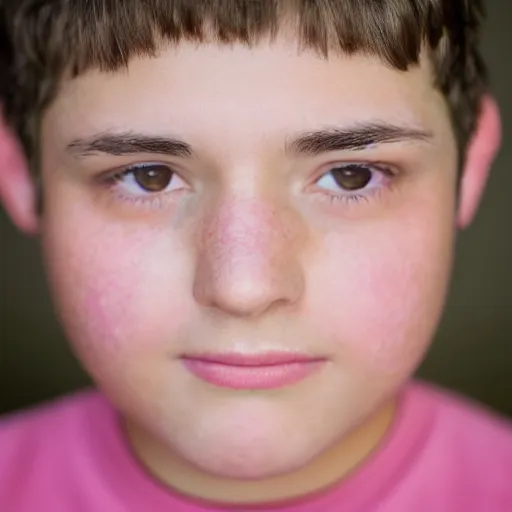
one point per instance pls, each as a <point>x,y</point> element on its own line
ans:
<point>352,177</point>
<point>154,178</point>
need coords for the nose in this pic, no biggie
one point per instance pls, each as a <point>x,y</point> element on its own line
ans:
<point>248,260</point>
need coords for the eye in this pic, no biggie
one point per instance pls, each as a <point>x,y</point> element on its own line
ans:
<point>148,179</point>
<point>352,178</point>
<point>153,178</point>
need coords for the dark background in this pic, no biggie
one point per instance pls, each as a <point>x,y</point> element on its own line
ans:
<point>472,352</point>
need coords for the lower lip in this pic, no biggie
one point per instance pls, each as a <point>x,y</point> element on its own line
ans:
<point>271,376</point>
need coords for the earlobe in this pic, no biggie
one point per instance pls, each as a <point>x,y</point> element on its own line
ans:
<point>481,153</point>
<point>17,190</point>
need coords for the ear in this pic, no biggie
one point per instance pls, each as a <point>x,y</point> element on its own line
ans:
<point>480,156</point>
<point>17,190</point>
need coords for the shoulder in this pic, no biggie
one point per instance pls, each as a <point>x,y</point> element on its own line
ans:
<point>469,450</point>
<point>467,419</point>
<point>47,420</point>
<point>43,441</point>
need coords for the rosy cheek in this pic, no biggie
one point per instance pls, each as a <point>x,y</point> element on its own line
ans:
<point>391,332</point>
<point>107,283</point>
<point>102,300</point>
<point>107,307</point>
<point>384,301</point>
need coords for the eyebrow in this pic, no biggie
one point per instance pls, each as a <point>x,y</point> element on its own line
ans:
<point>357,137</point>
<point>312,143</point>
<point>128,143</point>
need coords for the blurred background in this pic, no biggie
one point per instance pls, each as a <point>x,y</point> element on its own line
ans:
<point>472,352</point>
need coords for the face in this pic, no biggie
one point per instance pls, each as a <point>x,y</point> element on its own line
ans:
<point>249,248</point>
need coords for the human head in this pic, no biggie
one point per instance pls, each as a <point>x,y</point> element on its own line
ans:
<point>60,39</point>
<point>245,253</point>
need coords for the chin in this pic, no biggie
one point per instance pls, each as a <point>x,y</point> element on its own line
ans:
<point>247,458</point>
<point>251,465</point>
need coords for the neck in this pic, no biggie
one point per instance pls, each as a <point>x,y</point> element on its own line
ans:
<point>329,468</point>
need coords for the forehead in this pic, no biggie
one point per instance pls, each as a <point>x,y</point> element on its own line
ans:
<point>199,90</point>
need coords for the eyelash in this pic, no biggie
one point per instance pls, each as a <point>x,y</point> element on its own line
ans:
<point>362,195</point>
<point>156,200</point>
<point>151,201</point>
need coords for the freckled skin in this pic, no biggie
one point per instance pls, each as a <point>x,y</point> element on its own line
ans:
<point>250,246</point>
<point>250,258</point>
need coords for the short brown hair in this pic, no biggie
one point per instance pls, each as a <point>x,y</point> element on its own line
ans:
<point>42,40</point>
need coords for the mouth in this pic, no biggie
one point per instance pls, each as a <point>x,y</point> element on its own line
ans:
<point>271,370</point>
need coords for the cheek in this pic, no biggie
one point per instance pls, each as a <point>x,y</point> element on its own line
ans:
<point>385,293</point>
<point>108,301</point>
<point>117,288</point>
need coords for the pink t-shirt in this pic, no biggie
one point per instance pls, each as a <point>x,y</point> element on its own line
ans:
<point>442,454</point>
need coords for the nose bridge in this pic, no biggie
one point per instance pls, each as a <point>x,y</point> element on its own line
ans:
<point>244,233</point>
<point>246,261</point>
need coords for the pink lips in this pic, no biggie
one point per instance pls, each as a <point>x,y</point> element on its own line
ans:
<point>263,371</point>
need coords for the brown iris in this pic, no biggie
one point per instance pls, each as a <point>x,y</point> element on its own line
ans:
<point>153,178</point>
<point>352,177</point>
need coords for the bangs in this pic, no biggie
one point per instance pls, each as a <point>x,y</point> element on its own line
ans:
<point>43,40</point>
<point>106,34</point>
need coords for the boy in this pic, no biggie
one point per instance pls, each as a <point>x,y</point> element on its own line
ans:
<point>248,212</point>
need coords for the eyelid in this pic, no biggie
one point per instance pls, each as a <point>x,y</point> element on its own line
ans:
<point>384,169</point>
<point>387,174</point>
<point>121,180</point>
<point>375,166</point>
<point>114,175</point>
<point>387,169</point>
<point>128,169</point>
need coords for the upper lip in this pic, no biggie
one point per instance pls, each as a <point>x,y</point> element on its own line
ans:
<point>261,359</point>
